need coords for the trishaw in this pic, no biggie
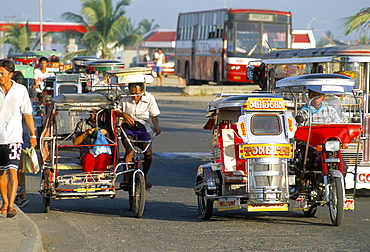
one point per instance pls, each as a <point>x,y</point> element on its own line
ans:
<point>97,68</point>
<point>326,125</point>
<point>251,146</point>
<point>61,176</point>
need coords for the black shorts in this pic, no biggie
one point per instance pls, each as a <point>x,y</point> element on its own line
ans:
<point>10,156</point>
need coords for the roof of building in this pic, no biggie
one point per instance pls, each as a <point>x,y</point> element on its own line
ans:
<point>160,35</point>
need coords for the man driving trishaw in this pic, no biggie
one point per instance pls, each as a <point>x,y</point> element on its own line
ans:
<point>136,109</point>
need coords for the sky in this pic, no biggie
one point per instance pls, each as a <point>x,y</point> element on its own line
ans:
<point>319,15</point>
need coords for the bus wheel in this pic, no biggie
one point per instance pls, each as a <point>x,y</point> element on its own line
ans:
<point>187,76</point>
<point>216,75</point>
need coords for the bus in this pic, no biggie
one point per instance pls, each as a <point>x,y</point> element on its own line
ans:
<point>352,61</point>
<point>217,45</point>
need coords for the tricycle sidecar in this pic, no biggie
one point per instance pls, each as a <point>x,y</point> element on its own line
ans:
<point>250,149</point>
<point>61,176</point>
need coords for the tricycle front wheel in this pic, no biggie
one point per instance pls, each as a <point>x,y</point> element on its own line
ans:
<point>137,195</point>
<point>336,204</point>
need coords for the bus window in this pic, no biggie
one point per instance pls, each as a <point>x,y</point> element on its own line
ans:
<point>246,37</point>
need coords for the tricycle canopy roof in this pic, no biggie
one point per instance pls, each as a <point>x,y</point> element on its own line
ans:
<point>235,100</point>
<point>41,53</point>
<point>130,71</point>
<point>322,83</point>
<point>83,102</point>
<point>81,60</point>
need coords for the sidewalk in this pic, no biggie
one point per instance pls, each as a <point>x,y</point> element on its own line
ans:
<point>19,234</point>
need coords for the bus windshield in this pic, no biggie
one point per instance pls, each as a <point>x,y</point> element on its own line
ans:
<point>257,38</point>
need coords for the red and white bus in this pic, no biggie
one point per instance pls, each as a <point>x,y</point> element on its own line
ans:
<point>217,45</point>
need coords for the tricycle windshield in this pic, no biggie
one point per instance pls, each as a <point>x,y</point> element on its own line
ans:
<point>325,109</point>
<point>262,124</point>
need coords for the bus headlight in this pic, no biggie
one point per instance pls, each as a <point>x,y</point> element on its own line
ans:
<point>333,145</point>
<point>235,67</point>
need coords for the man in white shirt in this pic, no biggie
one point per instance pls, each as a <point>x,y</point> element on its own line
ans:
<point>136,111</point>
<point>14,102</point>
<point>160,59</point>
<point>39,82</point>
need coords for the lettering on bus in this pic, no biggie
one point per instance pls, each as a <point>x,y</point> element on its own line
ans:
<point>265,104</point>
<point>265,150</point>
<point>363,178</point>
<point>261,17</point>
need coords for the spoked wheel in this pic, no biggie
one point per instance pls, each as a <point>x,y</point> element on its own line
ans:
<point>310,212</point>
<point>46,204</point>
<point>137,198</point>
<point>336,204</point>
<point>205,206</point>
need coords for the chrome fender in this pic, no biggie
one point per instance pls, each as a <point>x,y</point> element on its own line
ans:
<point>205,178</point>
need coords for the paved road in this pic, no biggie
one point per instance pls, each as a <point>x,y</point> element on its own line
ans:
<point>170,221</point>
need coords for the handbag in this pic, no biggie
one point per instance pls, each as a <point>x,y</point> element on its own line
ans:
<point>101,140</point>
<point>29,161</point>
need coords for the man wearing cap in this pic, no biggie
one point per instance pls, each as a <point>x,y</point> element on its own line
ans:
<point>320,112</point>
<point>14,102</point>
<point>136,110</point>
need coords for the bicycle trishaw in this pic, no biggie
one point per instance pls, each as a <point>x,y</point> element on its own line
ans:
<point>61,176</point>
<point>251,147</point>
<point>326,125</point>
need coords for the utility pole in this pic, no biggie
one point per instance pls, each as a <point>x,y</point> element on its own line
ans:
<point>41,29</point>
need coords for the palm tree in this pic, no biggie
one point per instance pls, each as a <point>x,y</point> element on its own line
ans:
<point>104,25</point>
<point>357,22</point>
<point>19,37</point>
<point>145,26</point>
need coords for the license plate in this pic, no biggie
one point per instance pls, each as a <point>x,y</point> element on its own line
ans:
<point>349,204</point>
<point>228,204</point>
<point>267,207</point>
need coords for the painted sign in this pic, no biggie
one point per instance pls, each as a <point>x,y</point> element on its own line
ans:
<point>263,104</point>
<point>265,151</point>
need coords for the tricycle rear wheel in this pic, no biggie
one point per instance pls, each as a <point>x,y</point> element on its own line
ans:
<point>310,212</point>
<point>46,204</point>
<point>205,206</point>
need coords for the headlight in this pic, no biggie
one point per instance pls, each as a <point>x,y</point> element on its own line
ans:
<point>332,145</point>
<point>235,67</point>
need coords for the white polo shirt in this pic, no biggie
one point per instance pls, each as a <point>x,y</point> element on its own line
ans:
<point>12,106</point>
<point>147,107</point>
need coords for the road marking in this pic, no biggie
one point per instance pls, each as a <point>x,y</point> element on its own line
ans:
<point>182,155</point>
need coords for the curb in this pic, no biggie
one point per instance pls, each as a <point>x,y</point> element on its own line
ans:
<point>32,241</point>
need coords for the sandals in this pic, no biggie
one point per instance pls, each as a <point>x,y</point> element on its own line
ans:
<point>125,185</point>
<point>3,210</point>
<point>11,212</point>
<point>148,185</point>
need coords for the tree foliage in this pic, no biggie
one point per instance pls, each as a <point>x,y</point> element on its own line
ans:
<point>19,37</point>
<point>106,24</point>
<point>360,21</point>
